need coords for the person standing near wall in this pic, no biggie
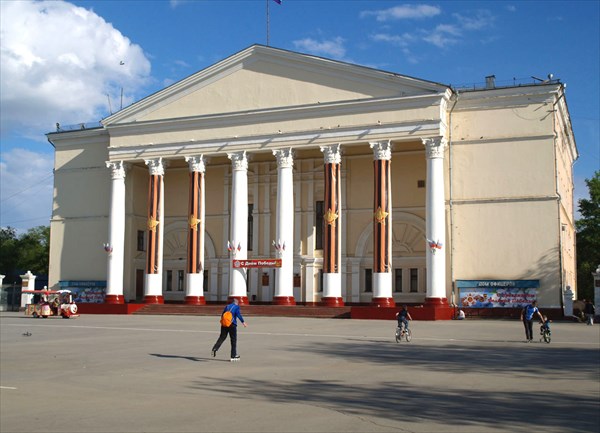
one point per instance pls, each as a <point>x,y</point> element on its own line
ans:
<point>527,317</point>
<point>589,311</point>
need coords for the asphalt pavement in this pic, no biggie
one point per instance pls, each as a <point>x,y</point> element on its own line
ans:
<point>128,373</point>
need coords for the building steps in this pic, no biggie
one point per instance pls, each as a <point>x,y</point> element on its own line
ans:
<point>247,310</point>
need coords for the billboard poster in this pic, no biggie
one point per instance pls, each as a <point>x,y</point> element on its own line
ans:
<point>497,293</point>
<point>86,292</point>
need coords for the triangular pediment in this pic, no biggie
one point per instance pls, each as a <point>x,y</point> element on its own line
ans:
<point>263,78</point>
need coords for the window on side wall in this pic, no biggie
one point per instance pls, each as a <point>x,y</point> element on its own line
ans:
<point>250,226</point>
<point>141,244</point>
<point>319,212</point>
<point>414,280</point>
<point>368,280</point>
<point>398,280</point>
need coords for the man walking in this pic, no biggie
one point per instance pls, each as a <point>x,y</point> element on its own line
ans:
<point>229,327</point>
<point>589,311</point>
<point>527,317</point>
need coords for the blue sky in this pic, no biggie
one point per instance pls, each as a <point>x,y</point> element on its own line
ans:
<point>67,62</point>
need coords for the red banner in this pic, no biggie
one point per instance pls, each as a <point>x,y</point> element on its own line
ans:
<point>257,263</point>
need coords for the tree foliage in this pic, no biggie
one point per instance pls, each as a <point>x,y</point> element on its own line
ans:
<point>588,238</point>
<point>26,252</point>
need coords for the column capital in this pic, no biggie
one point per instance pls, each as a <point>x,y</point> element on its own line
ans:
<point>156,166</point>
<point>332,154</point>
<point>117,169</point>
<point>285,157</point>
<point>196,163</point>
<point>239,160</point>
<point>381,149</point>
<point>434,147</point>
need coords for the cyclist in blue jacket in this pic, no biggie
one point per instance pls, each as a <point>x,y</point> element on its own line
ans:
<point>403,316</point>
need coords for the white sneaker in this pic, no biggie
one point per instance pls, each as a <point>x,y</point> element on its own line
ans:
<point>235,359</point>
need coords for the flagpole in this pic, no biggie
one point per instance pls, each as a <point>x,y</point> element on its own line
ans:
<point>268,22</point>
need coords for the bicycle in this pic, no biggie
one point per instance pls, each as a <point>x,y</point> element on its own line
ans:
<point>546,334</point>
<point>402,332</point>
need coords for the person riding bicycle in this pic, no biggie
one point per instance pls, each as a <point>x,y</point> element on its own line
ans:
<point>403,316</point>
<point>545,325</point>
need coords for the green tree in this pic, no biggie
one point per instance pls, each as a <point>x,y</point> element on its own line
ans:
<point>588,238</point>
<point>35,250</point>
<point>8,254</point>
<point>27,252</point>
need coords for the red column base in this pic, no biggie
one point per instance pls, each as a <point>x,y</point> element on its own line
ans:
<point>114,299</point>
<point>242,300</point>
<point>332,302</point>
<point>283,300</point>
<point>436,309</point>
<point>153,299</point>
<point>383,302</point>
<point>195,300</point>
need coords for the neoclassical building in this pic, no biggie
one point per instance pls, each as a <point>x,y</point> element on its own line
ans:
<point>279,177</point>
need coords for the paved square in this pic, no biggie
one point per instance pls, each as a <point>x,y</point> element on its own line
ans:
<point>103,373</point>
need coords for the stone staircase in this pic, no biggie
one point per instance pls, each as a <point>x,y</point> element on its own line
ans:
<point>247,310</point>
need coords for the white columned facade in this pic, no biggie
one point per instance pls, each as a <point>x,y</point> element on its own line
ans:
<point>435,222</point>
<point>194,292</point>
<point>155,226</point>
<point>284,242</point>
<point>115,248</point>
<point>332,245</point>
<point>239,226</point>
<point>382,224</point>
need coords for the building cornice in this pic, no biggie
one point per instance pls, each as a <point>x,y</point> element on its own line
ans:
<point>279,114</point>
<point>262,143</point>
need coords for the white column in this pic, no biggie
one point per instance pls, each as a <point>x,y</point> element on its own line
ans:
<point>435,219</point>
<point>116,234</point>
<point>284,242</point>
<point>239,225</point>
<point>196,225</point>
<point>156,223</point>
<point>27,283</point>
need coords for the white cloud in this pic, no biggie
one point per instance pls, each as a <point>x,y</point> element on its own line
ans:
<point>26,188</point>
<point>443,35</point>
<point>333,48</point>
<point>403,40</point>
<point>59,61</point>
<point>481,20</point>
<point>403,12</point>
<point>175,3</point>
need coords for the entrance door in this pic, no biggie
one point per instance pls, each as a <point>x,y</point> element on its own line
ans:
<point>139,285</point>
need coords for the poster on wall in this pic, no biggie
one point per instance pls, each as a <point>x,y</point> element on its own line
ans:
<point>497,293</point>
<point>86,292</point>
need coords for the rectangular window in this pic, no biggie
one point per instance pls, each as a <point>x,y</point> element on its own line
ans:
<point>320,288</point>
<point>319,212</point>
<point>414,280</point>
<point>169,281</point>
<point>140,240</point>
<point>368,280</point>
<point>180,274</point>
<point>205,287</point>
<point>250,226</point>
<point>398,280</point>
